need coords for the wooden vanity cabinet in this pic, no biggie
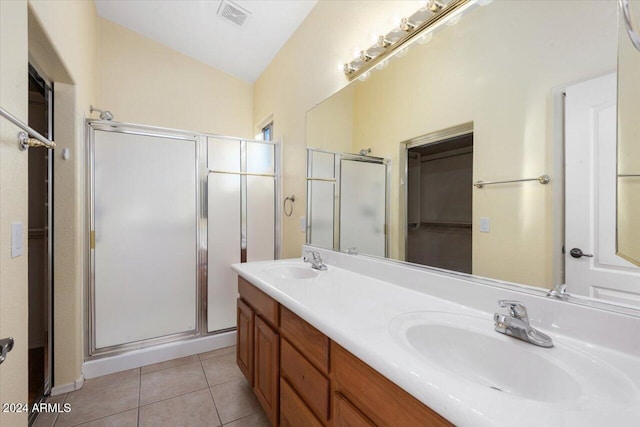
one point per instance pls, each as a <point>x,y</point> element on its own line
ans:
<point>258,346</point>
<point>374,396</point>
<point>302,378</point>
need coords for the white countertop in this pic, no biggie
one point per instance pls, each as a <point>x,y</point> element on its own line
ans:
<point>356,311</point>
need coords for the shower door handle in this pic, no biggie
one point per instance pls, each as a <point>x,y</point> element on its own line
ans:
<point>6,345</point>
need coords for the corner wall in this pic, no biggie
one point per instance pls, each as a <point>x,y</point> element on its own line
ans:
<point>141,81</point>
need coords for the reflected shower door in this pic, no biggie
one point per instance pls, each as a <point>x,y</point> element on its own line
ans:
<point>363,206</point>
<point>145,225</point>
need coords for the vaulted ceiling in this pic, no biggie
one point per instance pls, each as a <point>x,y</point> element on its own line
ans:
<point>197,29</point>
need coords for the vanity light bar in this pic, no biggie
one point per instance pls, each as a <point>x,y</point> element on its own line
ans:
<point>426,18</point>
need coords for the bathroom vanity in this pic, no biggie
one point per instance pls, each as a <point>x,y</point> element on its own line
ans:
<point>372,342</point>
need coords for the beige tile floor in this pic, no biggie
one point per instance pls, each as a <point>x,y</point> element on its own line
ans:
<point>205,390</point>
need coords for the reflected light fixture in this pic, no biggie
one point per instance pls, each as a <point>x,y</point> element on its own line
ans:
<point>435,6</point>
<point>454,20</point>
<point>425,38</point>
<point>364,76</point>
<point>418,27</point>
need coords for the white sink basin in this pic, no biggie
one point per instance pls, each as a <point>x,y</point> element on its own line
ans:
<point>291,271</point>
<point>469,348</point>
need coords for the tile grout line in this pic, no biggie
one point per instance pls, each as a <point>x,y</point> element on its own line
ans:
<point>55,417</point>
<point>241,418</point>
<point>101,418</point>
<point>139,396</point>
<point>172,397</point>
<point>210,392</point>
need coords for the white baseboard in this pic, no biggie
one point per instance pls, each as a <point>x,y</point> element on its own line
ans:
<point>160,353</point>
<point>68,388</point>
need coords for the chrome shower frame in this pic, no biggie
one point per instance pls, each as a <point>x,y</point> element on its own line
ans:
<point>200,139</point>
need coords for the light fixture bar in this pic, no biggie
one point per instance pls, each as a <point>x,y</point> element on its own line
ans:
<point>450,9</point>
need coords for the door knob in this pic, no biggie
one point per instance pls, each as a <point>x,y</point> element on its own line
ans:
<point>6,345</point>
<point>577,253</point>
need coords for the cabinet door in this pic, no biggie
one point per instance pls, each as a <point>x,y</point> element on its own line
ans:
<point>266,368</point>
<point>244,335</point>
<point>347,415</point>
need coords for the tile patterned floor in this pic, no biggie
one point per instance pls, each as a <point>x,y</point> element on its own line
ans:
<point>204,390</point>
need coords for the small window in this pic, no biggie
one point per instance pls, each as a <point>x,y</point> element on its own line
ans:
<point>267,132</point>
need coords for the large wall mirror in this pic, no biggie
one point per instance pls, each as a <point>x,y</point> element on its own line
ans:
<point>500,97</point>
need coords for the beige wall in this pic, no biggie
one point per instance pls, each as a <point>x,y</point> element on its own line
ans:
<point>141,81</point>
<point>305,72</point>
<point>13,205</point>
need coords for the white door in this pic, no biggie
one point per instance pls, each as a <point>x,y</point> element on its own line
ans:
<point>590,210</point>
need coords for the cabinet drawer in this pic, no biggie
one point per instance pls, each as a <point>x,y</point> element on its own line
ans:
<point>293,411</point>
<point>312,343</point>
<point>308,382</point>
<point>382,401</point>
<point>262,303</point>
<point>347,415</point>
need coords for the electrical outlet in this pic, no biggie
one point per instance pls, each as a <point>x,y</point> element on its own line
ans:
<point>485,225</point>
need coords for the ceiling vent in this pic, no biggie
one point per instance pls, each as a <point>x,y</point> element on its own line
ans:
<point>233,13</point>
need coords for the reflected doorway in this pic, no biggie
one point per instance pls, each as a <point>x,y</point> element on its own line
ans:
<point>439,203</point>
<point>40,242</point>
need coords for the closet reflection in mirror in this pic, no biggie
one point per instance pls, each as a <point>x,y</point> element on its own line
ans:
<point>501,70</point>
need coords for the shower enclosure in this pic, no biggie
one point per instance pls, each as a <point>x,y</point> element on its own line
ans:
<point>168,212</point>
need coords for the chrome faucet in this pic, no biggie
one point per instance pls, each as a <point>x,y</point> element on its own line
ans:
<point>314,259</point>
<point>517,324</point>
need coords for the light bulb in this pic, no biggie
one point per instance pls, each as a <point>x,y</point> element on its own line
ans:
<point>383,42</point>
<point>435,6</point>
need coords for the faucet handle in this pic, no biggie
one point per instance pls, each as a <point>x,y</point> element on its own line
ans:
<point>516,309</point>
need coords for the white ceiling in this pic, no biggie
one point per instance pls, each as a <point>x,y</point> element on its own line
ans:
<point>194,28</point>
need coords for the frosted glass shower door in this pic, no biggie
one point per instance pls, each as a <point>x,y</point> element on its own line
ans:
<point>224,229</point>
<point>145,224</point>
<point>363,207</point>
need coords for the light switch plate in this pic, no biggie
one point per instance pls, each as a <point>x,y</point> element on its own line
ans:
<point>303,224</point>
<point>17,237</point>
<point>485,225</point>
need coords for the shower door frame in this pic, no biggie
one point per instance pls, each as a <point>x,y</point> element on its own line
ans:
<point>202,171</point>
